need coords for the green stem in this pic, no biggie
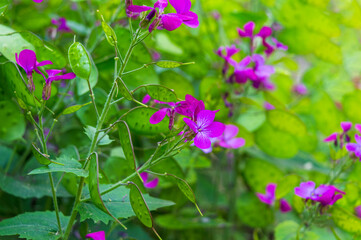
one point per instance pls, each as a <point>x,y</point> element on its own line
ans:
<point>92,97</point>
<point>98,127</point>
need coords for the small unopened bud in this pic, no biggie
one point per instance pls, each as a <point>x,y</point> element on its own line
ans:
<point>145,22</point>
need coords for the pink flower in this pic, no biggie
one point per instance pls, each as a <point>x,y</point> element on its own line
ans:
<point>96,235</point>
<point>53,75</point>
<point>148,184</point>
<point>61,23</point>
<point>270,196</point>
<point>300,89</point>
<point>228,138</point>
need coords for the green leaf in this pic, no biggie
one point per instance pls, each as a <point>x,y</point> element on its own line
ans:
<point>94,186</point>
<point>124,90</point>
<point>252,212</point>
<point>186,189</point>
<point>273,100</point>
<point>79,60</point>
<point>29,186</point>
<point>181,85</point>
<point>286,121</point>
<point>72,109</point>
<point>161,93</point>
<point>346,220</point>
<point>275,142</point>
<point>127,145</point>
<point>256,176</point>
<point>3,6</point>
<point>40,157</point>
<point>350,103</point>
<point>13,126</point>
<point>34,225</point>
<point>117,201</point>
<point>288,230</point>
<point>90,132</point>
<point>286,185</point>
<point>171,64</point>
<point>68,165</point>
<point>138,121</point>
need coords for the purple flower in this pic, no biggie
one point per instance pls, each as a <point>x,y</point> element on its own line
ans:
<point>27,60</point>
<point>205,128</point>
<point>355,147</point>
<point>183,8</point>
<point>346,126</point>
<point>270,196</point>
<point>53,75</point>
<point>241,72</point>
<point>262,72</point>
<point>228,138</point>
<point>271,48</point>
<point>325,194</point>
<point>285,206</point>
<point>331,138</point>
<point>61,23</point>
<point>190,107</point>
<point>227,52</point>
<point>96,235</point>
<point>358,211</point>
<point>247,30</point>
<point>38,1</point>
<point>268,106</point>
<point>159,115</point>
<point>300,89</point>
<point>146,99</point>
<point>148,184</point>
<point>358,127</point>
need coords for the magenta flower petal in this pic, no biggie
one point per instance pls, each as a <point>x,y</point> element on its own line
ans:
<point>158,116</point>
<point>300,89</point>
<point>230,131</point>
<point>151,184</point>
<point>27,60</point>
<point>358,127</point>
<point>346,126</point>
<point>265,32</point>
<point>358,211</point>
<point>268,106</point>
<point>285,206</point>
<point>351,147</point>
<point>202,141</point>
<point>170,21</point>
<point>205,118</point>
<point>161,4</point>
<point>264,198</point>
<point>270,195</point>
<point>181,6</point>
<point>271,190</point>
<point>305,189</point>
<point>38,1</point>
<point>43,63</point>
<point>191,124</point>
<point>216,129</point>
<point>146,99</point>
<point>138,9</point>
<point>234,143</point>
<point>144,176</point>
<point>331,138</point>
<point>193,21</point>
<point>248,30</point>
<point>96,235</point>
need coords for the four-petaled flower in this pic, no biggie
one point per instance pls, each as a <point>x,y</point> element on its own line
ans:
<point>27,60</point>
<point>228,138</point>
<point>96,235</point>
<point>148,184</point>
<point>269,198</point>
<point>325,194</point>
<point>53,75</point>
<point>205,128</point>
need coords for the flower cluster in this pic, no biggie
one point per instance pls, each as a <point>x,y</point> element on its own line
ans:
<point>27,60</point>
<point>269,198</point>
<point>199,120</point>
<point>340,137</point>
<point>324,194</point>
<point>168,21</point>
<point>355,147</point>
<point>253,67</point>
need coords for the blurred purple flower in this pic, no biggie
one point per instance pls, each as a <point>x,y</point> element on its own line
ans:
<point>61,24</point>
<point>358,211</point>
<point>205,128</point>
<point>268,106</point>
<point>270,196</point>
<point>300,89</point>
<point>325,194</point>
<point>344,137</point>
<point>241,72</point>
<point>146,99</point>
<point>271,48</point>
<point>38,1</point>
<point>27,60</point>
<point>355,147</point>
<point>285,206</point>
<point>358,127</point>
<point>53,75</point>
<point>228,138</point>
<point>96,235</point>
<point>262,72</point>
<point>346,126</point>
<point>331,138</point>
<point>148,184</point>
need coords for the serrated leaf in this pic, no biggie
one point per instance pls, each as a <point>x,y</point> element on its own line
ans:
<point>69,165</point>
<point>138,121</point>
<point>161,93</point>
<point>72,109</point>
<point>186,189</point>
<point>34,225</point>
<point>90,132</point>
<point>171,64</point>
<point>79,60</point>
<point>94,186</point>
<point>124,90</point>
<point>286,121</point>
<point>117,201</point>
